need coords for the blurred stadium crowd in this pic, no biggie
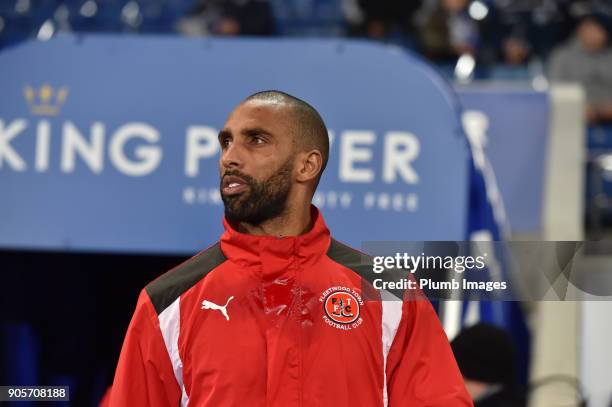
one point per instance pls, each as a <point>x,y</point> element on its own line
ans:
<point>531,41</point>
<point>497,39</point>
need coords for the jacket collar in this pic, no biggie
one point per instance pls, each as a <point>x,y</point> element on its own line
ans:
<point>275,252</point>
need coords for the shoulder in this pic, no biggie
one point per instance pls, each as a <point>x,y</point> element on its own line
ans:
<point>343,254</point>
<point>564,53</point>
<point>359,262</point>
<point>362,264</point>
<point>165,289</point>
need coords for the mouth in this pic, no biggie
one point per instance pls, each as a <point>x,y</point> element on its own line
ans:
<point>233,185</point>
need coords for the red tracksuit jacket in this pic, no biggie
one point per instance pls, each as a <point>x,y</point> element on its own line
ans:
<point>267,321</point>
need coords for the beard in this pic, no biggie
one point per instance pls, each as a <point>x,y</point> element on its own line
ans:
<point>263,200</point>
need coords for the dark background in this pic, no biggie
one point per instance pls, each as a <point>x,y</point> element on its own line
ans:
<point>64,316</point>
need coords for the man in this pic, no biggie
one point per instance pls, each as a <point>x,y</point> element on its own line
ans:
<point>587,59</point>
<point>276,313</point>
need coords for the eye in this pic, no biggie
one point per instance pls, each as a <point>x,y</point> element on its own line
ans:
<point>258,139</point>
<point>225,141</point>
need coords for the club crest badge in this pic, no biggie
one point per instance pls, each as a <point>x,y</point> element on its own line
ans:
<point>342,308</point>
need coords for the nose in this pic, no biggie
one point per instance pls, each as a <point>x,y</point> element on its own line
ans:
<point>231,158</point>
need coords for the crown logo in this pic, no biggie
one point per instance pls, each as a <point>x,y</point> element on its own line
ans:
<point>45,101</point>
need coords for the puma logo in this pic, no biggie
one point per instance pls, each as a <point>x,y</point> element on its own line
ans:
<point>223,308</point>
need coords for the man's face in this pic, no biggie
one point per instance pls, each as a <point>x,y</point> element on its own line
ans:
<point>256,164</point>
<point>592,35</point>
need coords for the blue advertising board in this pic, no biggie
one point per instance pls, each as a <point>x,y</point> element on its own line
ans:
<point>110,143</point>
<point>511,125</point>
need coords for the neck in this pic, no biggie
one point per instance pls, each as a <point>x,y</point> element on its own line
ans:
<point>292,222</point>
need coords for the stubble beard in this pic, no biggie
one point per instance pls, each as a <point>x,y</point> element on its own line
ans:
<point>264,200</point>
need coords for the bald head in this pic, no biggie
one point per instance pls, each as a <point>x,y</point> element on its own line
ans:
<point>309,131</point>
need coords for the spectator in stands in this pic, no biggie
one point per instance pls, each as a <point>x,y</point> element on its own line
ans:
<point>486,357</point>
<point>230,18</point>
<point>385,20</point>
<point>449,31</point>
<point>587,59</point>
<point>516,53</point>
<point>540,24</point>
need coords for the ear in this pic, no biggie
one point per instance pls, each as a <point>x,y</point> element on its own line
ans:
<point>310,164</point>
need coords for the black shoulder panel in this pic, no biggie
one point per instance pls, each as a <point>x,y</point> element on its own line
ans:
<point>164,290</point>
<point>362,264</point>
